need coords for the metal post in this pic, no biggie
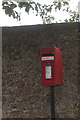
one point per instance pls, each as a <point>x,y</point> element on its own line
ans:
<point>52,104</point>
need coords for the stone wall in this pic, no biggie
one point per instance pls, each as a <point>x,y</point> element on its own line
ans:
<point>23,95</point>
<point>0,73</point>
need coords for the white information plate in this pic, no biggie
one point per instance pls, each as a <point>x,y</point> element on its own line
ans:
<point>47,72</point>
<point>48,58</point>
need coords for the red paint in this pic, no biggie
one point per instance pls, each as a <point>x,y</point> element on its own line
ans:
<point>56,76</point>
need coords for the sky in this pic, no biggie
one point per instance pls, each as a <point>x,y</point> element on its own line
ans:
<point>31,19</point>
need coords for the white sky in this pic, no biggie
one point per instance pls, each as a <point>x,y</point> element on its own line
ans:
<point>31,19</point>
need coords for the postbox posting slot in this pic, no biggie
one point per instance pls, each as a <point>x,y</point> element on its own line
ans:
<point>47,57</point>
<point>47,54</point>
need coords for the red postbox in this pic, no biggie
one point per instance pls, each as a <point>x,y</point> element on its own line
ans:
<point>51,66</point>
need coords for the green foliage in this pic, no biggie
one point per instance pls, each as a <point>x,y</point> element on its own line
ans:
<point>9,10</point>
<point>74,17</point>
<point>43,10</point>
<point>66,20</point>
<point>58,6</point>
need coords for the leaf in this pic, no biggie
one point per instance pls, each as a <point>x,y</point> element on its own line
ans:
<point>67,9</point>
<point>13,14</point>
<point>38,4</point>
<point>36,14</point>
<point>36,8</point>
<point>44,22</point>
<point>13,6</point>
<point>28,6</point>
<point>20,4</point>
<point>70,20</point>
<point>66,20</point>
<point>27,9</point>
<point>4,3</point>
<point>7,10</point>
<point>10,13</point>
<point>59,5</point>
<point>65,3</point>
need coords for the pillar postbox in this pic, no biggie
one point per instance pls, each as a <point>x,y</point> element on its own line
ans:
<point>51,66</point>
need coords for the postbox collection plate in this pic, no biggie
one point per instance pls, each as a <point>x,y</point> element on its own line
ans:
<point>48,74</point>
